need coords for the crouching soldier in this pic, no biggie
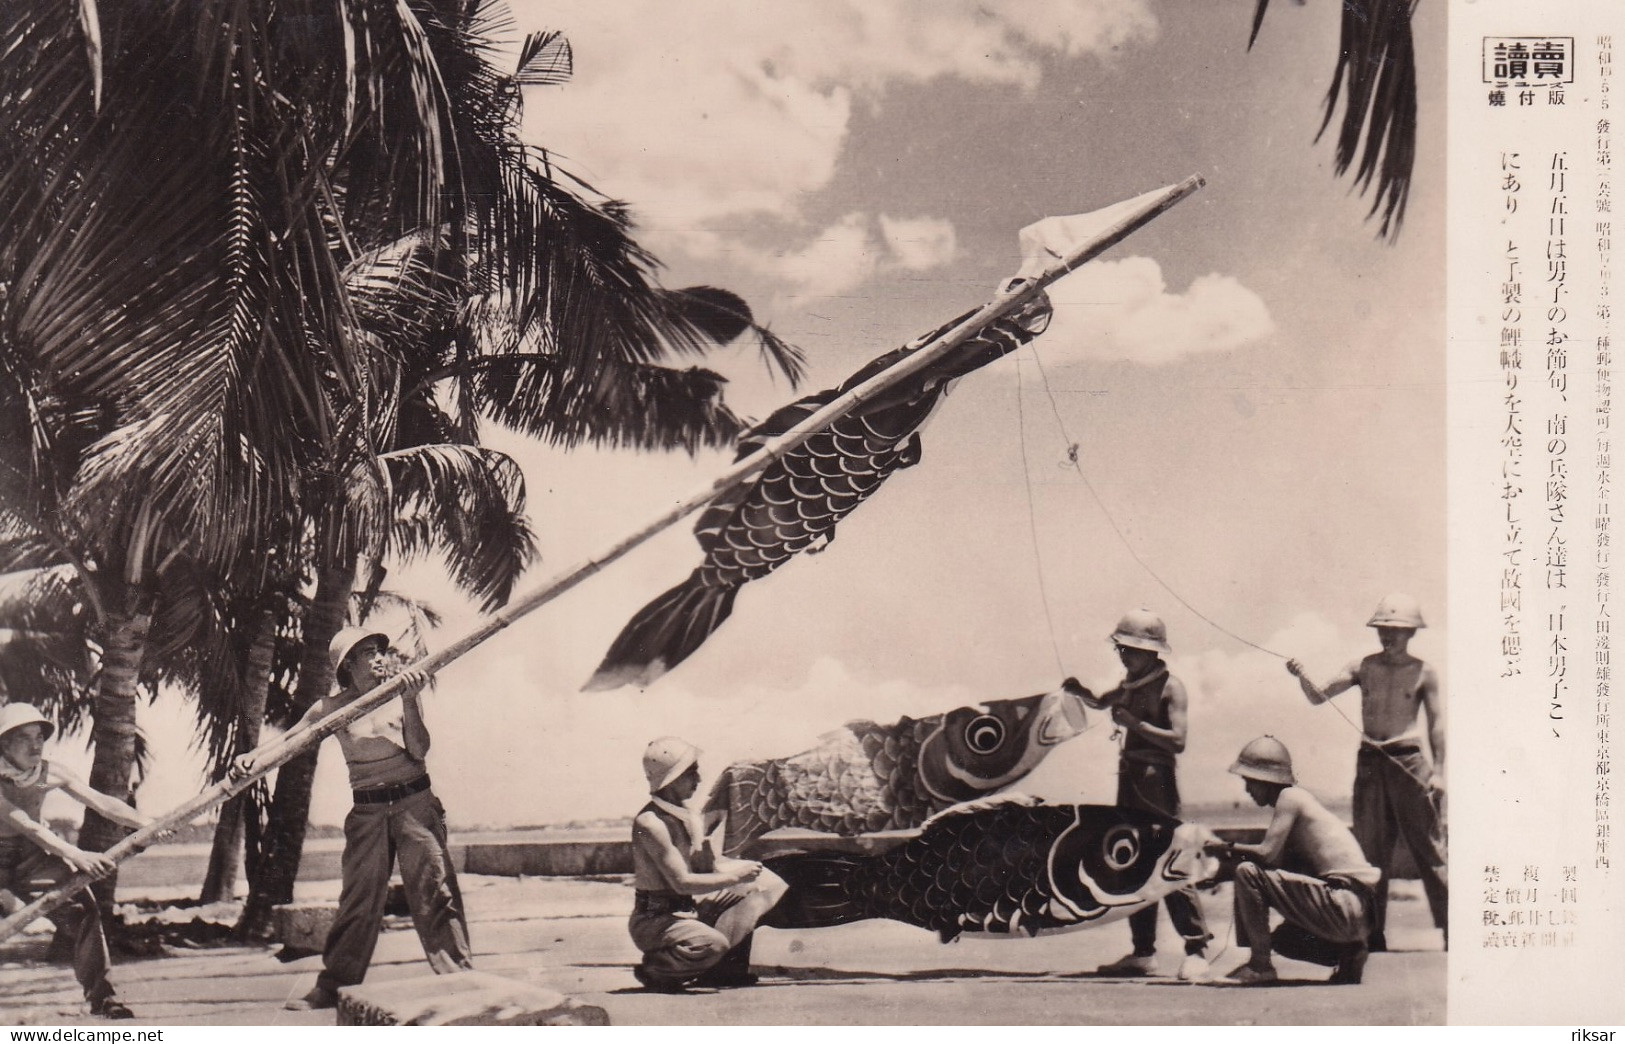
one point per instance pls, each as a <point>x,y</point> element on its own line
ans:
<point>1328,911</point>
<point>694,913</point>
<point>34,860</point>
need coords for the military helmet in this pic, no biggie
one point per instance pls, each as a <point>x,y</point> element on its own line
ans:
<point>16,715</point>
<point>666,759</point>
<point>1265,759</point>
<point>1142,629</point>
<point>1397,610</point>
<point>345,642</point>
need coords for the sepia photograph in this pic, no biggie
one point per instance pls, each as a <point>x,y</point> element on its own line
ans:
<point>701,513</point>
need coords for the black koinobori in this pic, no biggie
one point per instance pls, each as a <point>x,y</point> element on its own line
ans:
<point>1004,866</point>
<point>797,501</point>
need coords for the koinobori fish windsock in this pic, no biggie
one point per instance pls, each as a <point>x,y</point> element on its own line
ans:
<point>796,502</point>
<point>866,777</point>
<point>1001,866</point>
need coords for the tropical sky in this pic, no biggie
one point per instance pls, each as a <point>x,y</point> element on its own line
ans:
<point>1254,384</point>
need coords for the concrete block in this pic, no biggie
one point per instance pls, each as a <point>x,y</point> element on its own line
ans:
<point>303,926</point>
<point>464,999</point>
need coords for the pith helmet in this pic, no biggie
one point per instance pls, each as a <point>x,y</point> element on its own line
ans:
<point>667,758</point>
<point>1142,629</point>
<point>1397,610</point>
<point>344,643</point>
<point>16,715</point>
<point>1266,759</point>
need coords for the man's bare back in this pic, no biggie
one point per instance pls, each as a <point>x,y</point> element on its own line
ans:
<point>1320,838</point>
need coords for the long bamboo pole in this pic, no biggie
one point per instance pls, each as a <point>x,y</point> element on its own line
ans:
<point>278,751</point>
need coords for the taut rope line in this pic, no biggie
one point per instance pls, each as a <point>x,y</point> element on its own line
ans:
<point>1073,462</point>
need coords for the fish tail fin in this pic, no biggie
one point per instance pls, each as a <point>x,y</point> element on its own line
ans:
<point>663,634</point>
<point>818,896</point>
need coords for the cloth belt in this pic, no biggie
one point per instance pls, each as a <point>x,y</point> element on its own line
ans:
<point>661,902</point>
<point>384,795</point>
<point>1367,894</point>
<point>1397,750</point>
<point>1148,756</point>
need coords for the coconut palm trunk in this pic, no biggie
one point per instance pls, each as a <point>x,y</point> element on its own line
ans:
<point>226,856</point>
<point>113,735</point>
<point>272,882</point>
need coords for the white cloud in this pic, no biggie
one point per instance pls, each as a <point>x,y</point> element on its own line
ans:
<point>653,116</point>
<point>919,244</point>
<point>842,256</point>
<point>1238,696</point>
<point>1124,310</point>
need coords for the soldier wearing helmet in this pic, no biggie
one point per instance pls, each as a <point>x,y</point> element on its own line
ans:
<point>1150,708</point>
<point>1398,789</point>
<point>395,814</point>
<point>33,859</point>
<point>1328,911</point>
<point>694,912</point>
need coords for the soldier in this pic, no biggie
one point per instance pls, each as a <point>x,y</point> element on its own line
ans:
<point>33,859</point>
<point>1150,707</point>
<point>396,814</point>
<point>1333,906</point>
<point>1398,790</point>
<point>694,913</point>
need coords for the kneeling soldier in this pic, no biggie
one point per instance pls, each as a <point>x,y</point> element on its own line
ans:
<point>1333,905</point>
<point>694,912</point>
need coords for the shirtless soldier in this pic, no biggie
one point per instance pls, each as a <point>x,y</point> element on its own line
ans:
<point>693,913</point>
<point>1333,904</point>
<point>1398,790</point>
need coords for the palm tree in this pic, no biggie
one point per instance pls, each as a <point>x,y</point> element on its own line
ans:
<point>184,191</point>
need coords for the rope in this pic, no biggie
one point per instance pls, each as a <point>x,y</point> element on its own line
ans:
<point>1032,524</point>
<point>1072,461</point>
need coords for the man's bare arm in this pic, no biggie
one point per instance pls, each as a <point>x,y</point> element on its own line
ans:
<point>93,863</point>
<point>1318,694</point>
<point>1433,706</point>
<point>1273,846</point>
<point>413,730</point>
<point>105,805</point>
<point>651,835</point>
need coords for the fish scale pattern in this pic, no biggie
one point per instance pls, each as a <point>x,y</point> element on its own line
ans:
<point>862,779</point>
<point>799,502</point>
<point>1000,865</point>
<point>986,872</point>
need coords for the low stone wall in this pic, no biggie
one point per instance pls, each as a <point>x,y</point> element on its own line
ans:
<point>595,858</point>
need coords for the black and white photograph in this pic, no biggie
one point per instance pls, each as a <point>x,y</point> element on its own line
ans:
<point>893,513</point>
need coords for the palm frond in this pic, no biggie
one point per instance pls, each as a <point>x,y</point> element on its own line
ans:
<point>545,60</point>
<point>1376,80</point>
<point>469,503</point>
<point>421,618</point>
<point>616,405</point>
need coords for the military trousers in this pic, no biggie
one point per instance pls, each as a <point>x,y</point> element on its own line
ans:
<point>26,871</point>
<point>412,829</point>
<point>681,938</point>
<point>1333,911</point>
<point>1392,803</point>
<point>1150,786</point>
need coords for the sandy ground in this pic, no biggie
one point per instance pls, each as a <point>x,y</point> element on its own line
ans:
<point>569,934</point>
